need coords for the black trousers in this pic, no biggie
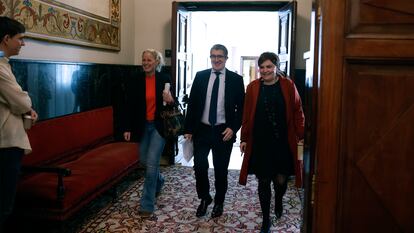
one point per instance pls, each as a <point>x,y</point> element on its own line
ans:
<point>10,160</point>
<point>211,138</point>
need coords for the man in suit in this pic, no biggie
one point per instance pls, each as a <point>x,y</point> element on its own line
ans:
<point>14,102</point>
<point>213,117</point>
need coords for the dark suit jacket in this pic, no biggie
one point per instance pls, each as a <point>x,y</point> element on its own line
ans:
<point>134,112</point>
<point>233,102</point>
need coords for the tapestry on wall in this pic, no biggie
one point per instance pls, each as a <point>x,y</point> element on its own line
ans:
<point>94,23</point>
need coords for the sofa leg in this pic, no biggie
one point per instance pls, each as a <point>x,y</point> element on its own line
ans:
<point>114,193</point>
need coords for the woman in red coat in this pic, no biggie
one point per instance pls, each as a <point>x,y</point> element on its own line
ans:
<point>273,123</point>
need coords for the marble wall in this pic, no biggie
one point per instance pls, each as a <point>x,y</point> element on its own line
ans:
<point>59,89</point>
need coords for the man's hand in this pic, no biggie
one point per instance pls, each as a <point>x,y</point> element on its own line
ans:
<point>228,134</point>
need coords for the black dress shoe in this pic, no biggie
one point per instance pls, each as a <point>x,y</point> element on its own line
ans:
<point>202,208</point>
<point>217,210</point>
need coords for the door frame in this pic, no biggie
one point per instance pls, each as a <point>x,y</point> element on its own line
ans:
<point>239,6</point>
<point>211,6</point>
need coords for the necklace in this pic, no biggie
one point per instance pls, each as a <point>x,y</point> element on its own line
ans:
<point>270,110</point>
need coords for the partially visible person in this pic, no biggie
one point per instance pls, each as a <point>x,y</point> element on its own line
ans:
<point>14,103</point>
<point>142,123</point>
<point>273,124</point>
<point>213,118</point>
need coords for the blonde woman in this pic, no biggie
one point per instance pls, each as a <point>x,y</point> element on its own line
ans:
<point>142,123</point>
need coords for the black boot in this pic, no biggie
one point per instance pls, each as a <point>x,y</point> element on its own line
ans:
<point>265,226</point>
<point>278,207</point>
<point>280,191</point>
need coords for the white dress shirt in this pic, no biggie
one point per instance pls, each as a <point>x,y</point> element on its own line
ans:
<point>221,116</point>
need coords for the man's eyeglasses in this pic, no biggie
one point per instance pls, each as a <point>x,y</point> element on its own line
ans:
<point>217,57</point>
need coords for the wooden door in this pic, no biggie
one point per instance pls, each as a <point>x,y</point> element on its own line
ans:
<point>287,33</point>
<point>365,170</point>
<point>179,51</point>
<point>310,109</point>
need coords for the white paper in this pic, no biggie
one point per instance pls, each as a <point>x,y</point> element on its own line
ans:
<point>166,90</point>
<point>187,146</point>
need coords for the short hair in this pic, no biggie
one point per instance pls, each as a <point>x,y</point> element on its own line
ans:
<point>269,56</point>
<point>10,27</point>
<point>273,58</point>
<point>158,57</point>
<point>220,47</point>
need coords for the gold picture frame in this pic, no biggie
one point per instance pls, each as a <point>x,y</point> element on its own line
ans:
<point>55,21</point>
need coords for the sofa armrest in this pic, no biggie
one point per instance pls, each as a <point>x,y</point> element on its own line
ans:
<point>59,171</point>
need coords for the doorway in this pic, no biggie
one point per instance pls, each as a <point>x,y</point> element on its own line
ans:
<point>246,34</point>
<point>196,26</point>
<point>246,28</point>
<point>249,68</point>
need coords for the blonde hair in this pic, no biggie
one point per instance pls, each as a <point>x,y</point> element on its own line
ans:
<point>158,57</point>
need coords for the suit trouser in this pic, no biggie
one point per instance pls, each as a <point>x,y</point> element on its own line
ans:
<point>211,138</point>
<point>10,160</point>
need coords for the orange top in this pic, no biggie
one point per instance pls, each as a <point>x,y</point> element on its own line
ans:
<point>150,96</point>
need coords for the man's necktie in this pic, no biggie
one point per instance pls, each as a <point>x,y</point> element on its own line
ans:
<point>212,116</point>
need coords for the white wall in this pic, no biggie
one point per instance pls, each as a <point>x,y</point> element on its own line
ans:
<point>145,24</point>
<point>153,26</point>
<point>44,50</point>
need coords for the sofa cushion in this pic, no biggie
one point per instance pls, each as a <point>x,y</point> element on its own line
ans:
<point>53,139</point>
<point>90,172</point>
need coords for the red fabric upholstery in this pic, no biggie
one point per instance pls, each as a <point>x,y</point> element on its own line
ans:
<point>98,164</point>
<point>65,135</point>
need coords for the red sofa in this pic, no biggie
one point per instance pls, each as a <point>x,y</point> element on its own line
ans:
<point>74,160</point>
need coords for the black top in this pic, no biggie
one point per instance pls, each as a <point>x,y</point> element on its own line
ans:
<point>270,151</point>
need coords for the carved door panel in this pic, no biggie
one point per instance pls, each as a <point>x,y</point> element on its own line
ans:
<point>365,171</point>
<point>287,32</point>
<point>377,149</point>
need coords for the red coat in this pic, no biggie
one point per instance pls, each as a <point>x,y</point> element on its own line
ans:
<point>294,117</point>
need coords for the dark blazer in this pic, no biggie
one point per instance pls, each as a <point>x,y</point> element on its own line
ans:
<point>134,113</point>
<point>233,102</point>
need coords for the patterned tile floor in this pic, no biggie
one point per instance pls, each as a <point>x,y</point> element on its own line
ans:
<point>177,205</point>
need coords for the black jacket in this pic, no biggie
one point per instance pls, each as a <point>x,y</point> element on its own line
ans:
<point>233,101</point>
<point>134,112</point>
